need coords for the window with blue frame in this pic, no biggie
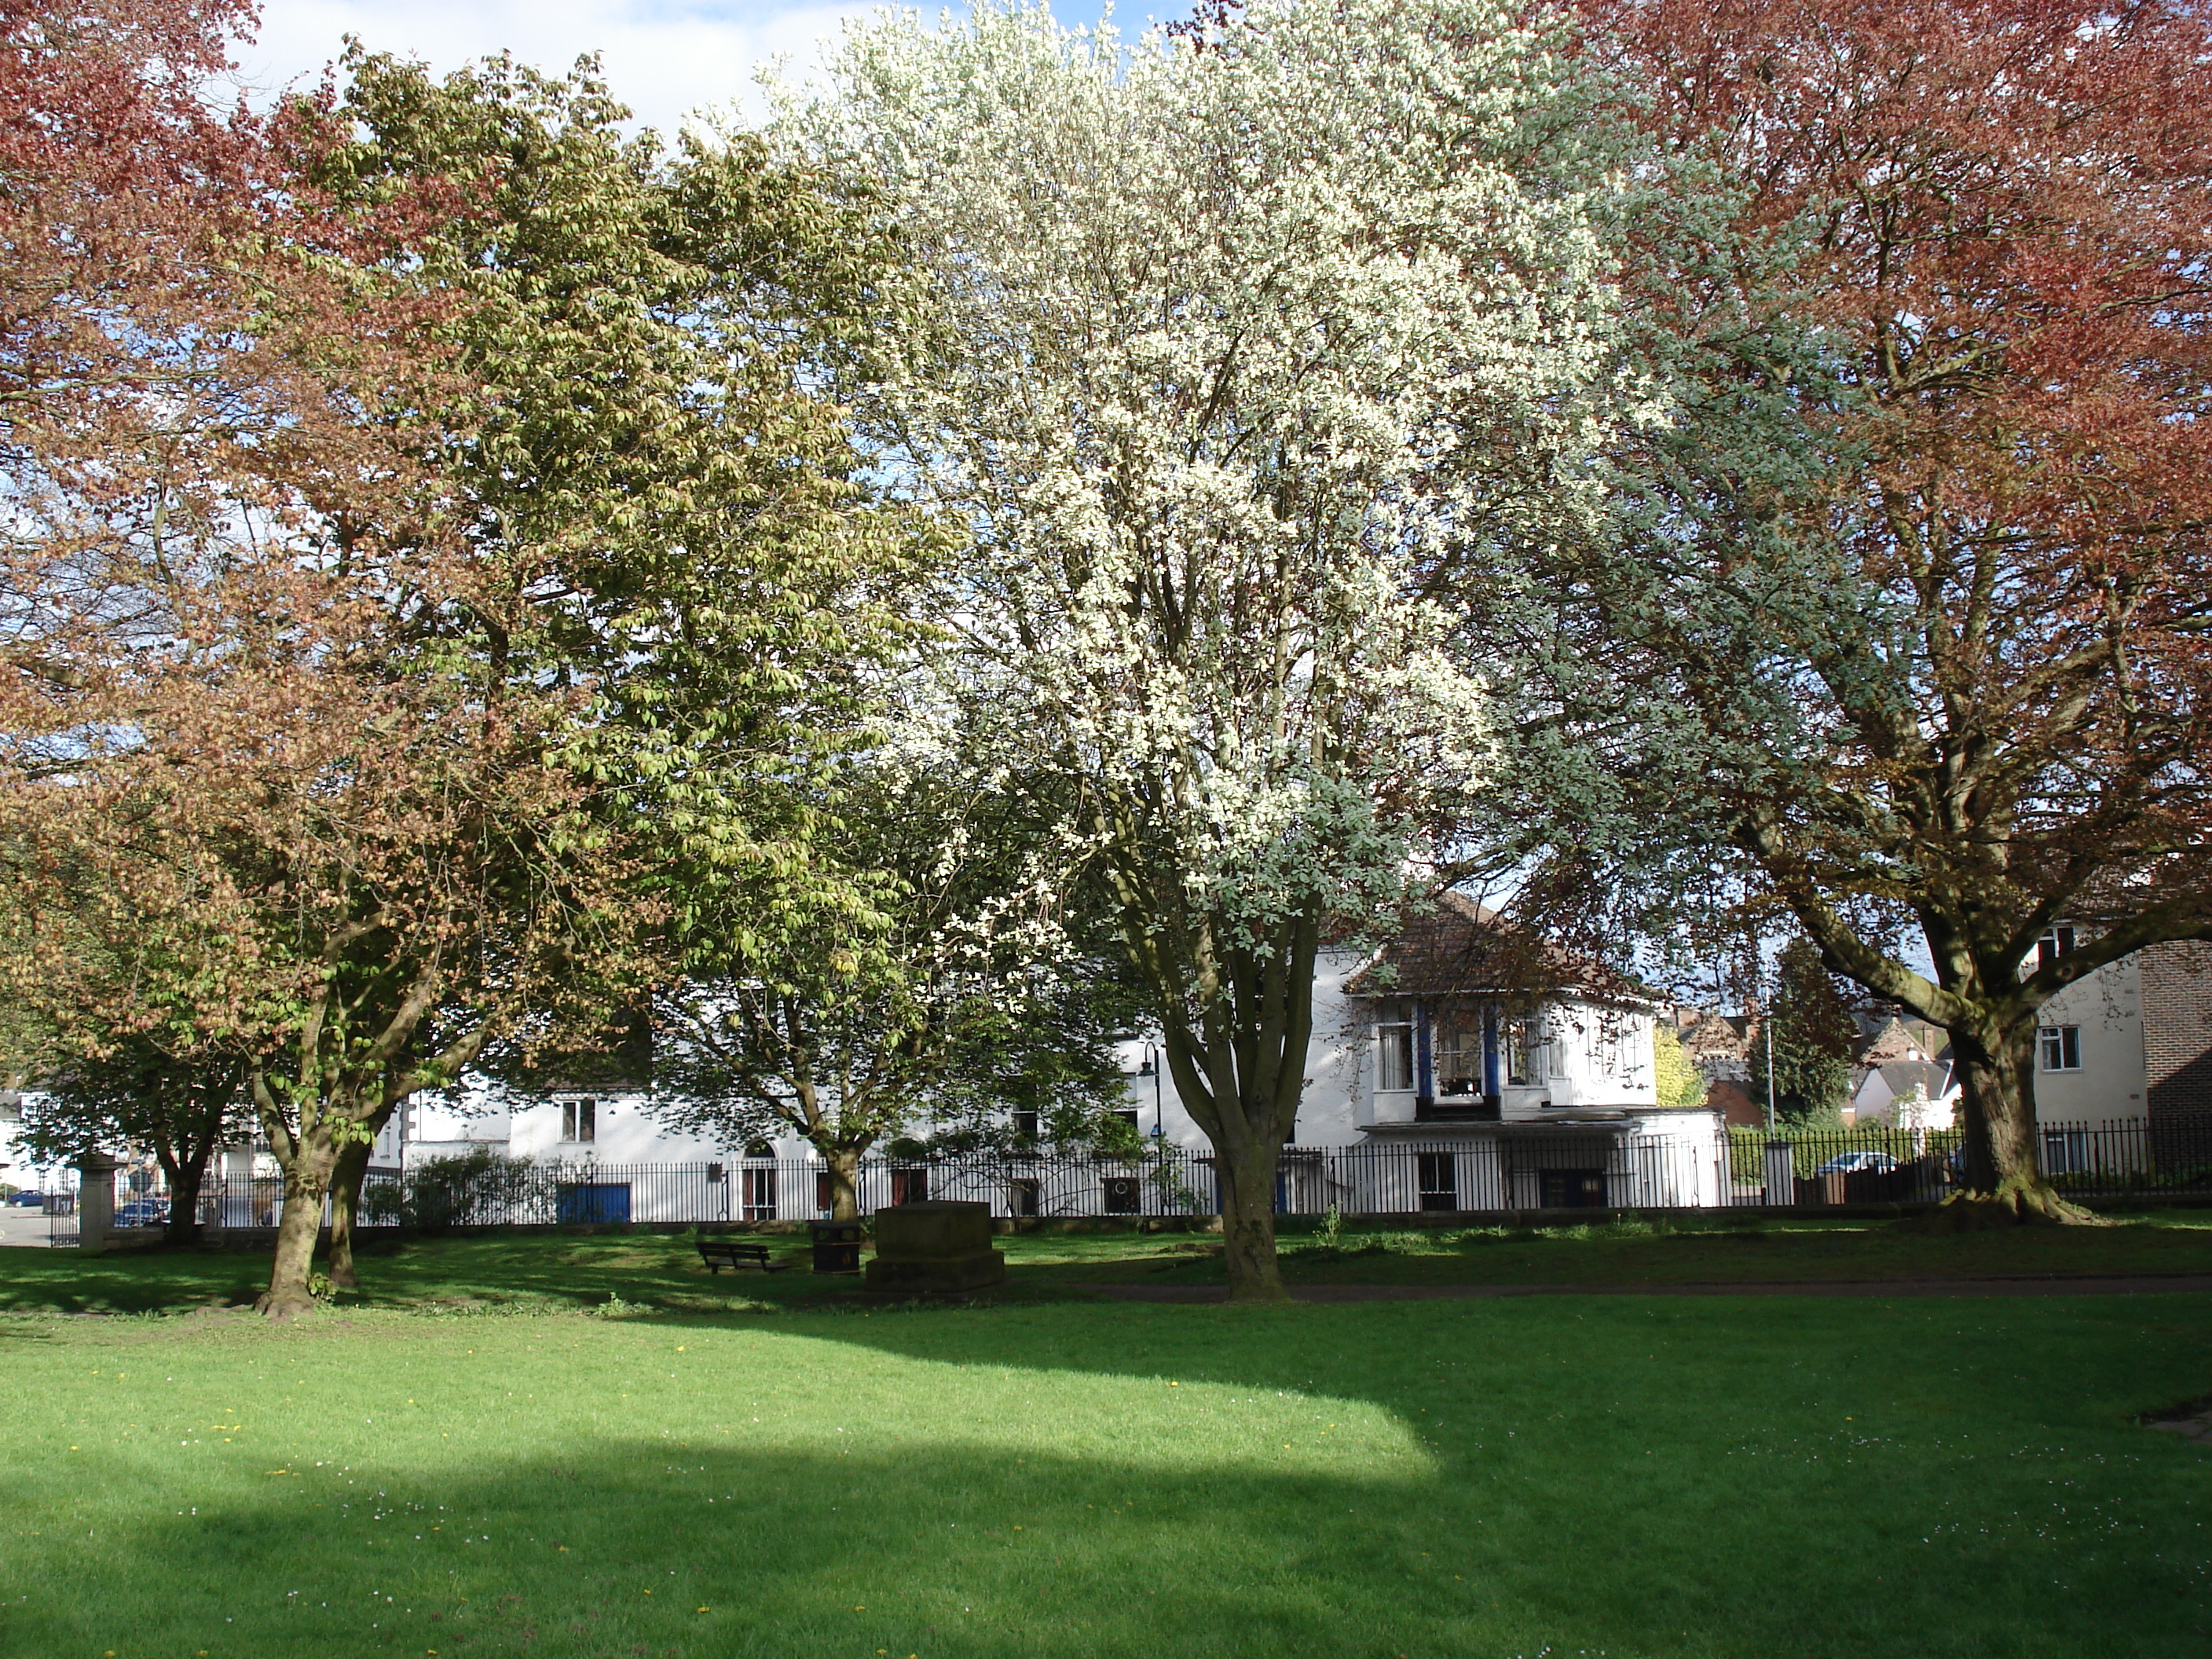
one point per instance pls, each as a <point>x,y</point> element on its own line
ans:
<point>1456,1051</point>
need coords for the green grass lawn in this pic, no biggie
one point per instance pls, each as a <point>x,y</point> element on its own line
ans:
<point>661,1271</point>
<point>1692,1250</point>
<point>465,1463</point>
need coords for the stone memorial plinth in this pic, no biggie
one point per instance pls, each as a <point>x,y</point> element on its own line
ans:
<point>935,1246</point>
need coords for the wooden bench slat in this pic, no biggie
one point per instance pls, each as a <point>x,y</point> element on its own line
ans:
<point>719,1252</point>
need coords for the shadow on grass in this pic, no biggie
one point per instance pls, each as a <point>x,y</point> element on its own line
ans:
<point>639,1547</point>
<point>140,1281</point>
<point>662,1271</point>
<point>1605,1478</point>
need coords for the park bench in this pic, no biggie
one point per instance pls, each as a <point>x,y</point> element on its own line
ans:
<point>720,1253</point>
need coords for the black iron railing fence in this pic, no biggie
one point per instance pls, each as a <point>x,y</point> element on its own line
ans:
<point>1550,1166</point>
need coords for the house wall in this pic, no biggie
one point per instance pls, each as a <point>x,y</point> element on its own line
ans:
<point>2176,1019</point>
<point>1339,1066</point>
<point>2110,1087</point>
<point>1594,1056</point>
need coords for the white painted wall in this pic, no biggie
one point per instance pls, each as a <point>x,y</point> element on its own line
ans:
<point>2111,1086</point>
<point>1594,1056</point>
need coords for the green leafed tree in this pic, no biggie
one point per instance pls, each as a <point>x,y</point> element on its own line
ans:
<point>136,1095</point>
<point>1813,1034</point>
<point>650,475</point>
<point>942,985</point>
<point>1678,1081</point>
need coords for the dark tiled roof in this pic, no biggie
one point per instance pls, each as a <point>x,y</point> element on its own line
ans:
<point>1458,947</point>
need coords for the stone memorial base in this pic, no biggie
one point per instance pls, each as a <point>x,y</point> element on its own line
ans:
<point>937,1246</point>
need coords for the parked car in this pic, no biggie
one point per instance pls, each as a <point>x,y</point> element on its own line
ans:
<point>1864,1161</point>
<point>142,1212</point>
<point>28,1200</point>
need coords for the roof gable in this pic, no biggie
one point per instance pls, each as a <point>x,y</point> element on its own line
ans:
<point>1459,947</point>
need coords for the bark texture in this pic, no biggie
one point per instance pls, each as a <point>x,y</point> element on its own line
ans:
<point>2003,1183</point>
<point>1248,1224</point>
<point>307,1175</point>
<point>183,1227</point>
<point>345,1208</point>
<point>844,1166</point>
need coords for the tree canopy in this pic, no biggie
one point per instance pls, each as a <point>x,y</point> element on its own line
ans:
<point>1243,353</point>
<point>1905,606</point>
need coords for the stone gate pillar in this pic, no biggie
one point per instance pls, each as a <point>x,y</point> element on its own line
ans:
<point>95,1201</point>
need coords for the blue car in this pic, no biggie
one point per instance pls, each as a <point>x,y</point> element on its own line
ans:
<point>142,1212</point>
<point>28,1200</point>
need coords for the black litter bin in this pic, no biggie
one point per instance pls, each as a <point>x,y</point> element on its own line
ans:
<point>836,1246</point>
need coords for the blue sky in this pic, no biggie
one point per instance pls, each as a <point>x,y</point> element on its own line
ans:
<point>663,57</point>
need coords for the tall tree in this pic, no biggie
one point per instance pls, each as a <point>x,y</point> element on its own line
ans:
<point>1237,356</point>
<point>659,484</point>
<point>271,783</point>
<point>658,477</point>
<point>135,1094</point>
<point>1911,607</point>
<point>1813,1033</point>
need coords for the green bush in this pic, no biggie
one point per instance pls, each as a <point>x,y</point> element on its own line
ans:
<point>481,1185</point>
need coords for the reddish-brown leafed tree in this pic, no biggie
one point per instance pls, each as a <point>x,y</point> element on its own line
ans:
<point>271,787</point>
<point>1915,611</point>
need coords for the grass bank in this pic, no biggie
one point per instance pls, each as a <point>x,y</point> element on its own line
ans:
<point>466,1465</point>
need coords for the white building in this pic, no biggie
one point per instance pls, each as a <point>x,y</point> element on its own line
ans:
<point>1457,1072</point>
<point>1433,1080</point>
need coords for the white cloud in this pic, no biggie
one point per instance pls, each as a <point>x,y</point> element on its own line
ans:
<point>664,60</point>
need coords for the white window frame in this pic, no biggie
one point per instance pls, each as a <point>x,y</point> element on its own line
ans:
<point>2058,1048</point>
<point>579,1112</point>
<point>1528,1055</point>
<point>1394,1038</point>
<point>2057,941</point>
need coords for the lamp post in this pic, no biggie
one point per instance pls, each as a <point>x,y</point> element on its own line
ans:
<point>1766,1019</point>
<point>1150,1066</point>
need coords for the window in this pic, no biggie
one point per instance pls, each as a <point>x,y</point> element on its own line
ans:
<point>2057,942</point>
<point>760,1194</point>
<point>822,1193</point>
<point>1570,1189</point>
<point>2065,1152</point>
<point>1393,1054</point>
<point>1439,1180</point>
<point>1524,1050</point>
<point>1457,1052</point>
<point>1022,1197</point>
<point>1025,1127</point>
<point>580,1120</point>
<point>1123,1195</point>
<point>759,1149</point>
<point>909,1186</point>
<point>2061,1047</point>
<point>1129,1117</point>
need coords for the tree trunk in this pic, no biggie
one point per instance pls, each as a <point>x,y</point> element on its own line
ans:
<point>2003,1182</point>
<point>306,1184</point>
<point>185,1179</point>
<point>844,1165</point>
<point>1247,1176</point>
<point>345,1204</point>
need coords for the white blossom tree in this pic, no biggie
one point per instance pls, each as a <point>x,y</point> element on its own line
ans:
<point>1245,349</point>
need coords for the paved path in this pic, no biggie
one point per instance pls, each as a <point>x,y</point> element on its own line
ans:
<point>23,1227</point>
<point>2127,1284</point>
